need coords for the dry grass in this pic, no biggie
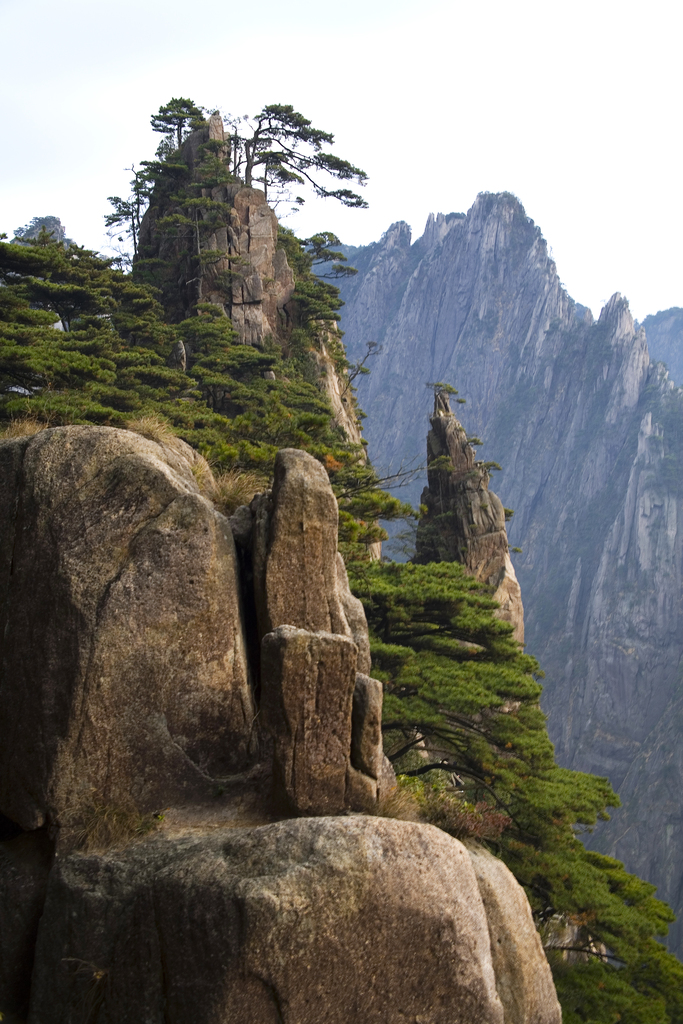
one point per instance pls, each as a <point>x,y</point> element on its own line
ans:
<point>154,428</point>
<point>104,825</point>
<point>399,803</point>
<point>448,810</point>
<point>236,487</point>
<point>201,471</point>
<point>24,427</point>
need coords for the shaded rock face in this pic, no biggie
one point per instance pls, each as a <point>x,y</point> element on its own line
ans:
<point>25,863</point>
<point>523,977</point>
<point>588,432</point>
<point>465,522</point>
<point>336,387</point>
<point>295,922</point>
<point>124,667</point>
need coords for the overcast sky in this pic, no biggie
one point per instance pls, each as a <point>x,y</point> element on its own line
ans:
<point>573,107</point>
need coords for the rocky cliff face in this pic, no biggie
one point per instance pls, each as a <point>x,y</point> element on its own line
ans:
<point>664,332</point>
<point>156,656</point>
<point>588,432</point>
<point>465,521</point>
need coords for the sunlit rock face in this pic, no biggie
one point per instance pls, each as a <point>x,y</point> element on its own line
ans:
<point>180,766</point>
<point>588,432</point>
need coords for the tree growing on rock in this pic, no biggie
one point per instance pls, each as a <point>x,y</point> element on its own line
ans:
<point>288,150</point>
<point>178,117</point>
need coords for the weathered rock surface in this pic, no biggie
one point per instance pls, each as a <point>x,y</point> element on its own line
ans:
<point>299,577</point>
<point>588,433</point>
<point>523,977</point>
<point>297,922</point>
<point>315,639</point>
<point>126,674</point>
<point>124,667</point>
<point>295,549</point>
<point>464,521</point>
<point>366,739</point>
<point>307,685</point>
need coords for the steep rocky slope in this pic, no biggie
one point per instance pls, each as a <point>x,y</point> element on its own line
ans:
<point>589,434</point>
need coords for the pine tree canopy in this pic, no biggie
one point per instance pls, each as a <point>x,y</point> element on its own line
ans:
<point>177,117</point>
<point>108,365</point>
<point>289,150</point>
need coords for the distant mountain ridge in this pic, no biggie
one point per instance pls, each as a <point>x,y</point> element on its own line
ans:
<point>589,432</point>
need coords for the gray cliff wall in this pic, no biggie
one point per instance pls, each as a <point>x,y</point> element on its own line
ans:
<point>588,432</point>
<point>665,340</point>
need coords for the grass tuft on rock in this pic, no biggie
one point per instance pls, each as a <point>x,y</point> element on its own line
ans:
<point>105,825</point>
<point>23,428</point>
<point>236,487</point>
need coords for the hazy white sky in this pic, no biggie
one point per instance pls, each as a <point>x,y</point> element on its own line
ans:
<point>573,107</point>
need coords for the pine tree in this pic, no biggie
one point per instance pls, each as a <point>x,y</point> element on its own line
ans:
<point>289,150</point>
<point>176,118</point>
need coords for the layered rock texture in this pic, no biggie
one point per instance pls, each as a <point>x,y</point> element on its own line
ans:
<point>464,521</point>
<point>588,432</point>
<point>158,657</point>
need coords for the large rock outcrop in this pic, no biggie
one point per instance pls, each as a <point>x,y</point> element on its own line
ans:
<point>129,679</point>
<point>123,656</point>
<point>296,922</point>
<point>587,431</point>
<point>246,274</point>
<point>314,642</point>
<point>465,521</point>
